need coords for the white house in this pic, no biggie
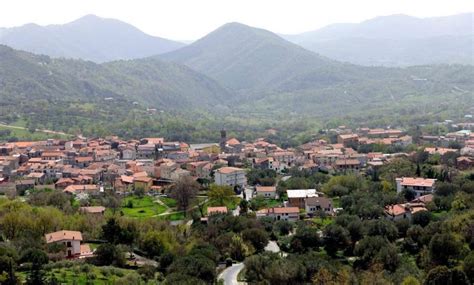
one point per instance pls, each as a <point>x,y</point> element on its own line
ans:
<point>421,186</point>
<point>284,213</point>
<point>230,176</point>
<point>70,239</point>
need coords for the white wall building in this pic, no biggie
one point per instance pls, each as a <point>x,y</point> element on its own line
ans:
<point>420,186</point>
<point>230,176</point>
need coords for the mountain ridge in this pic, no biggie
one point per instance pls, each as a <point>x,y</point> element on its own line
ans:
<point>89,38</point>
<point>395,40</point>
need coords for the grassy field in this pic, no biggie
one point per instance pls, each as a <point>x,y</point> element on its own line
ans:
<point>85,274</point>
<point>26,135</point>
<point>177,216</point>
<point>141,207</point>
<point>170,202</point>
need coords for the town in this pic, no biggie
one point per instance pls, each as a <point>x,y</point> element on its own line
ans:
<point>317,185</point>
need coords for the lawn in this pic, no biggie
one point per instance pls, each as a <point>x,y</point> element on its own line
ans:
<point>177,216</point>
<point>170,202</point>
<point>141,207</point>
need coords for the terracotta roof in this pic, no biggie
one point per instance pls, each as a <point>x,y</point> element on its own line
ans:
<point>63,235</point>
<point>77,188</point>
<point>233,141</point>
<point>281,210</point>
<point>93,209</point>
<point>216,210</point>
<point>396,210</point>
<point>422,182</point>
<point>228,170</point>
<point>265,188</point>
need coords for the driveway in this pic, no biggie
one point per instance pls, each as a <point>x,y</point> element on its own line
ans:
<point>229,275</point>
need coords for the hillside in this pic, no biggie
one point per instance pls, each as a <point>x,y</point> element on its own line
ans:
<point>272,75</point>
<point>88,38</point>
<point>396,40</point>
<point>248,59</point>
<point>58,91</point>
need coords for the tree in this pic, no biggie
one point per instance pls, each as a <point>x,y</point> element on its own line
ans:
<point>244,206</point>
<point>439,275</point>
<point>195,265</point>
<point>152,245</point>
<point>257,237</point>
<point>382,228</point>
<point>468,265</point>
<point>109,254</point>
<point>37,258</point>
<point>283,227</point>
<point>410,280</point>
<point>112,231</point>
<point>220,195</point>
<point>335,238</point>
<point>184,191</point>
<point>444,247</point>
<point>305,238</point>
<point>422,218</point>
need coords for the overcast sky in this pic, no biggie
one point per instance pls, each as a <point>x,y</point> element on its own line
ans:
<point>191,19</point>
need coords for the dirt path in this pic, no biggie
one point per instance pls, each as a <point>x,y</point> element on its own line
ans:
<point>36,130</point>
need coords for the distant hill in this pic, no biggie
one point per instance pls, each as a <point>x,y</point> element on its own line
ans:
<point>244,58</point>
<point>45,89</point>
<point>89,38</point>
<point>396,40</point>
<point>272,75</point>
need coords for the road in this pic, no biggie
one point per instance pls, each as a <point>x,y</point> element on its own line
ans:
<point>229,275</point>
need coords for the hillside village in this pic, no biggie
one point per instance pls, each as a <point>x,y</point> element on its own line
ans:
<point>150,178</point>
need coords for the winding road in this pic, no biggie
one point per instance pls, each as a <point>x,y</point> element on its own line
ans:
<point>229,275</point>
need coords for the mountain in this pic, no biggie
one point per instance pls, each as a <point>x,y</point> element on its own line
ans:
<point>89,38</point>
<point>59,91</point>
<point>248,59</point>
<point>396,40</point>
<point>271,75</point>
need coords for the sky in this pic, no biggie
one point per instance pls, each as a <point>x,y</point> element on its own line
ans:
<point>192,19</point>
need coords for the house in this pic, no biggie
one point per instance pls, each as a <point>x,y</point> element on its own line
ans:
<point>280,213</point>
<point>347,165</point>
<point>266,191</point>
<point>348,140</point>
<point>297,197</point>
<point>70,239</point>
<point>78,189</point>
<point>94,210</point>
<point>129,153</point>
<point>403,211</point>
<point>420,186</point>
<point>315,204</point>
<point>143,182</point>
<point>397,212</point>
<point>464,162</point>
<point>230,176</point>
<point>23,185</point>
<point>216,210</point>
<point>38,177</point>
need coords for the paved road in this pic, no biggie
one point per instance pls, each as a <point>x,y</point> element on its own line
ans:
<point>229,275</point>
